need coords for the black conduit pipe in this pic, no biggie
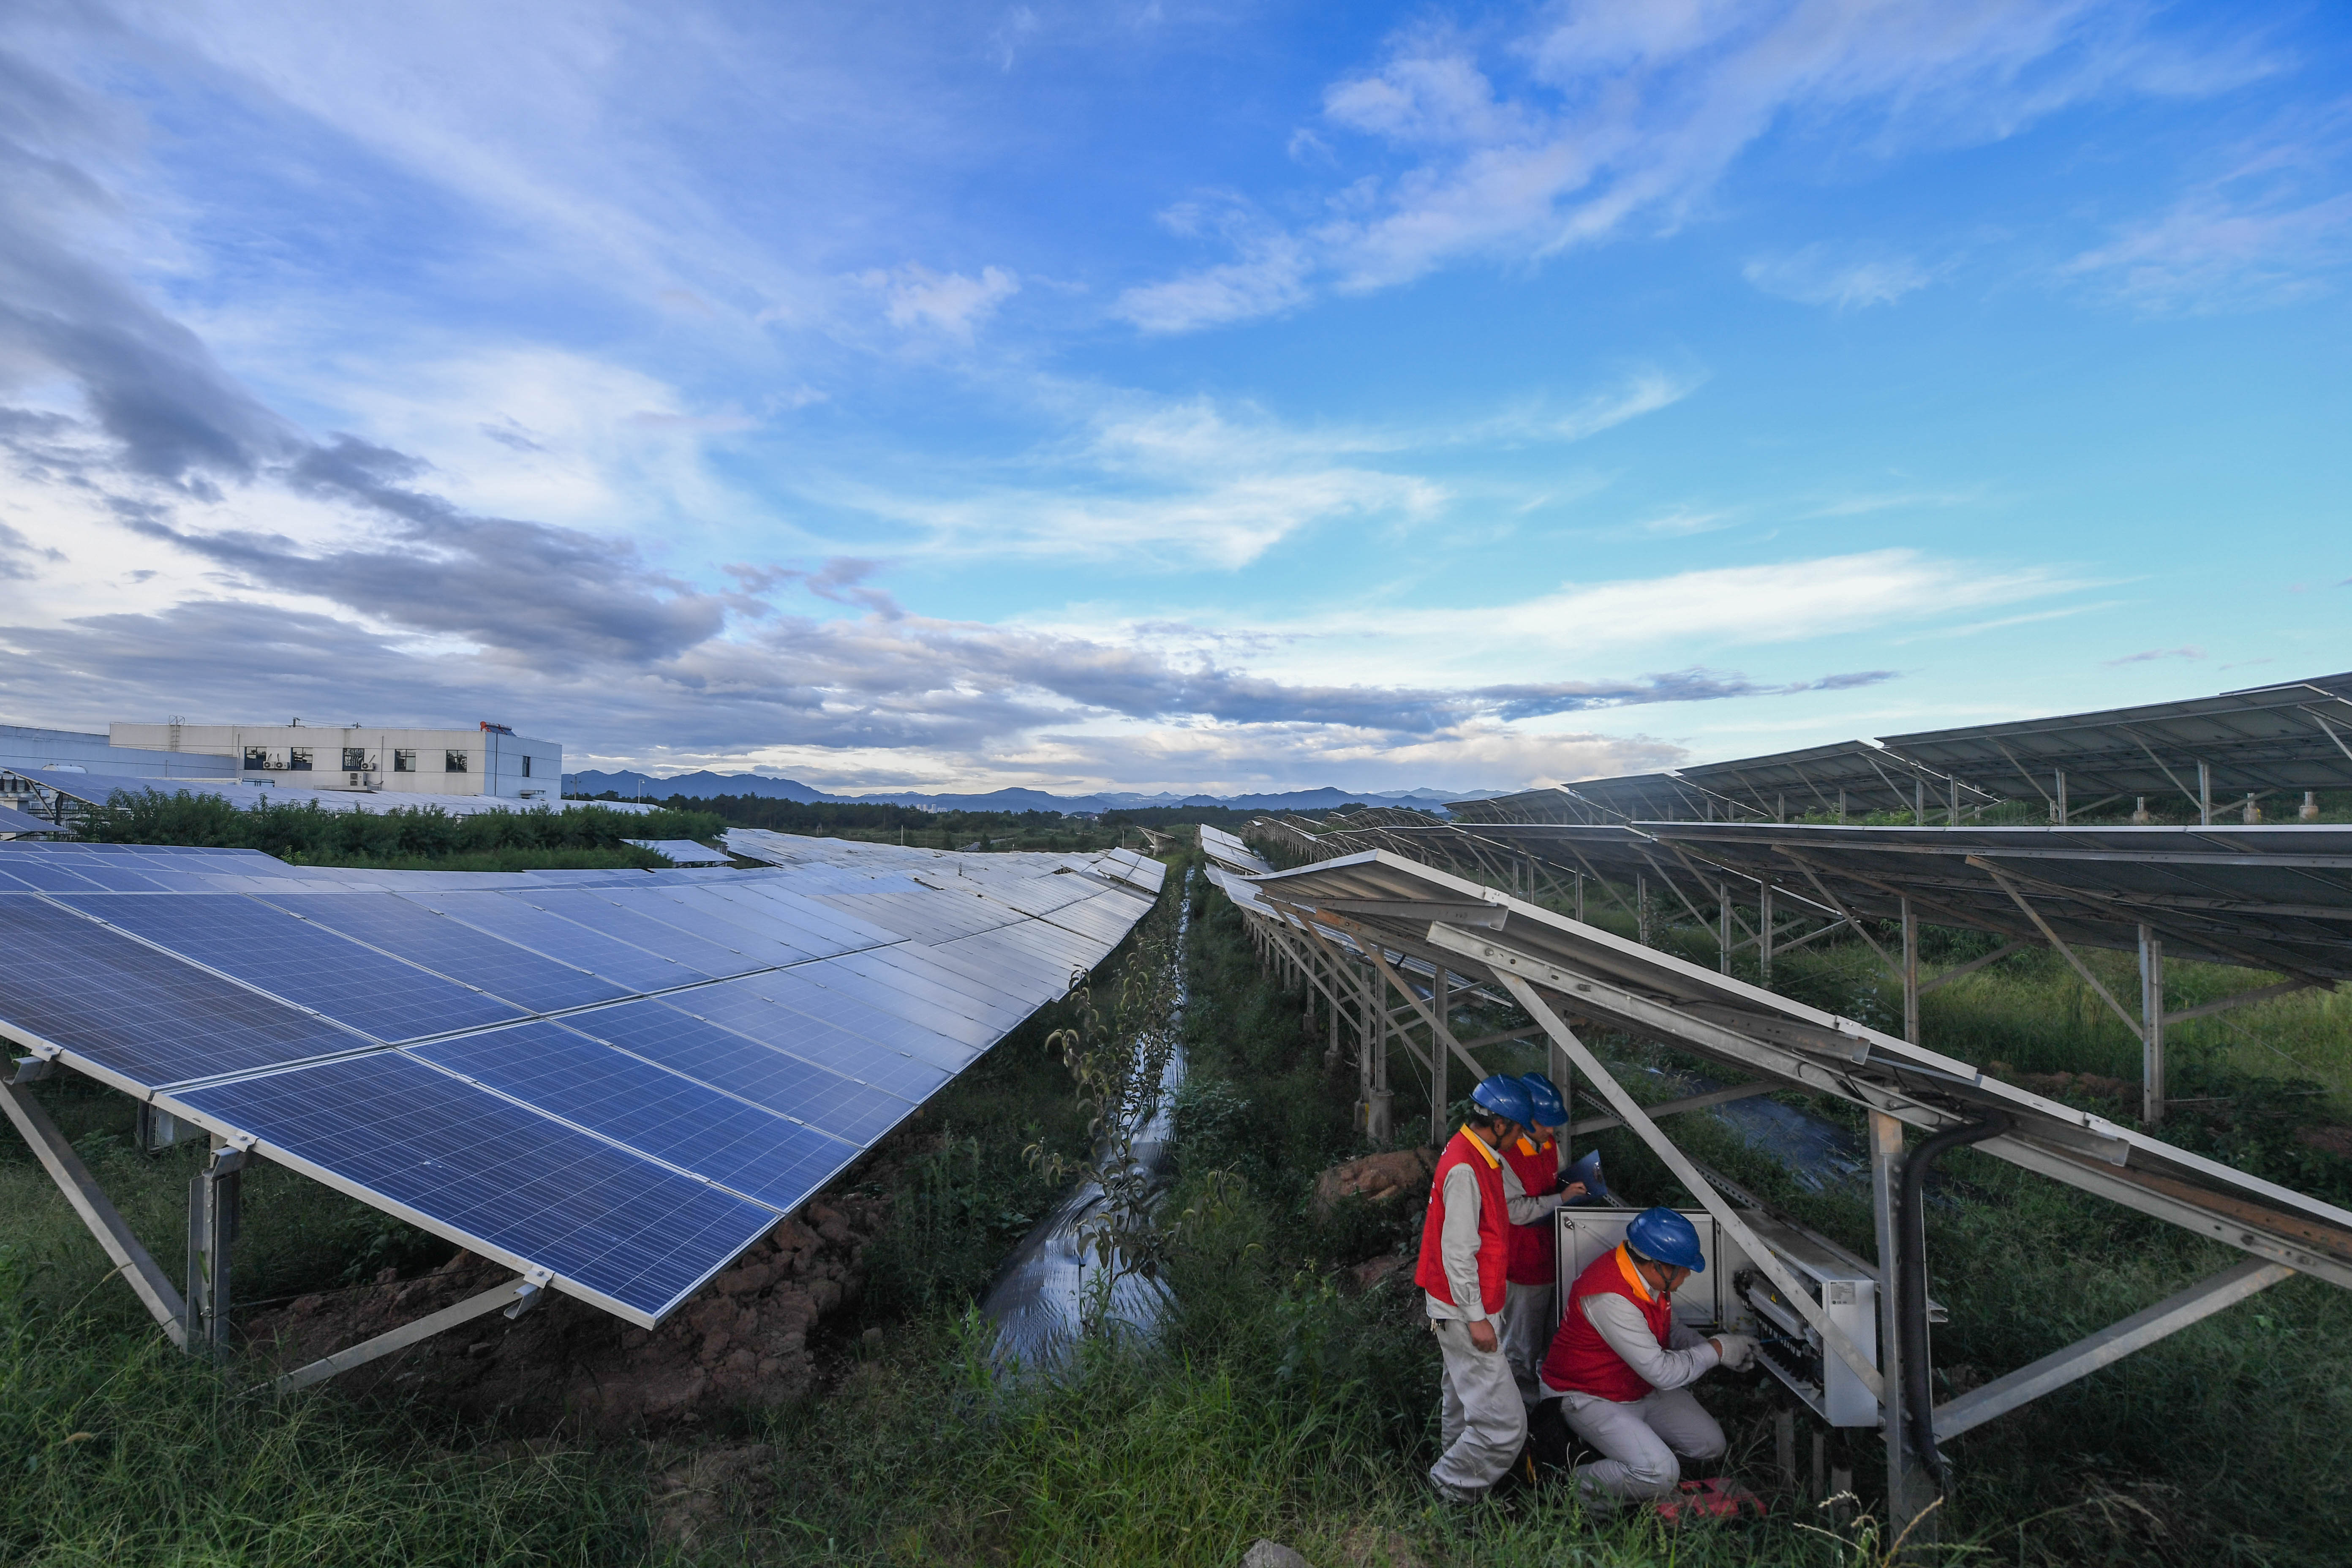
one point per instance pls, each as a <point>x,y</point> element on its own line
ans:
<point>1911,1286</point>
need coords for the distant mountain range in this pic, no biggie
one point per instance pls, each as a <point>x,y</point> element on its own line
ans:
<point>704,785</point>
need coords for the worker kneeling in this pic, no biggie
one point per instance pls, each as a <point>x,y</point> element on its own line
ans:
<point>1622,1367</point>
<point>1465,1244</point>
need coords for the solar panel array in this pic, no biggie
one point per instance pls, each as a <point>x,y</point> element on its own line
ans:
<point>621,1078</point>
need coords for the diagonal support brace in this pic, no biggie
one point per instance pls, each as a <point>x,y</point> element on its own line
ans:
<point>89,1201</point>
<point>514,1295</point>
<point>2106,1347</point>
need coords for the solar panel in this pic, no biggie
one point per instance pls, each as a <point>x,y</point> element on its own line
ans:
<point>487,1172</point>
<point>753,1152</point>
<point>303,963</point>
<point>439,943</point>
<point>782,1082</point>
<point>136,1013</point>
<point>596,908</point>
<point>832,1031</point>
<point>727,1042</point>
<point>514,918</point>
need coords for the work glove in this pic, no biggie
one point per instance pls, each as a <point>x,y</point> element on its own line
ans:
<point>1739,1351</point>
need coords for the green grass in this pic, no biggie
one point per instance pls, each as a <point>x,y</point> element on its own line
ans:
<point>1276,1404</point>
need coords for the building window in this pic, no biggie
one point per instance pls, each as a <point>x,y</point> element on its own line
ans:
<point>257,757</point>
<point>355,758</point>
<point>298,759</point>
<point>453,761</point>
<point>526,764</point>
<point>404,761</point>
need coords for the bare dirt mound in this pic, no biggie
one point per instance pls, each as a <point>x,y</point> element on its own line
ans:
<point>744,1341</point>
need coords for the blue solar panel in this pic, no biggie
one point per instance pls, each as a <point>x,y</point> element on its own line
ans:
<point>893,1000</point>
<point>142,1014</point>
<point>513,918</point>
<point>681,908</point>
<point>303,963</point>
<point>478,1167</point>
<point>910,970</point>
<point>852,1041</point>
<point>48,876</point>
<point>595,908</point>
<point>687,1124</point>
<point>762,1074</point>
<point>441,944</point>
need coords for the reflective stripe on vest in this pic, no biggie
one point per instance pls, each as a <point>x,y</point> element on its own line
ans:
<point>1580,1361</point>
<point>1467,1149</point>
<point>1535,1249</point>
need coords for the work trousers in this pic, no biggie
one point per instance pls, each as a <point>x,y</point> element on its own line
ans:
<point>1527,1325</point>
<point>1483,1424</point>
<point>1642,1442</point>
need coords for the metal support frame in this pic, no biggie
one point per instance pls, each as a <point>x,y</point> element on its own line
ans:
<point>1909,1492</point>
<point>518,1296</point>
<point>2106,1347</point>
<point>1834,1337</point>
<point>2151,1028</point>
<point>131,1260</point>
<point>1910,973</point>
<point>213,1204</point>
<point>1440,1069</point>
<point>1764,927</point>
<point>1673,1106</point>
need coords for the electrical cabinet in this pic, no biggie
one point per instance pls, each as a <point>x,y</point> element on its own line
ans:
<point>1735,1296</point>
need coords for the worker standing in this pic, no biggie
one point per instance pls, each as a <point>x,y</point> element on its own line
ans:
<point>1622,1367</point>
<point>1532,1191</point>
<point>1465,1242</point>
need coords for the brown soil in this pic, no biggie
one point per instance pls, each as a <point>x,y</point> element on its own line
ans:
<point>743,1342</point>
<point>2336,1140</point>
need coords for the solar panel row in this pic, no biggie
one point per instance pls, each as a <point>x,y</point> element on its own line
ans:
<point>618,1077</point>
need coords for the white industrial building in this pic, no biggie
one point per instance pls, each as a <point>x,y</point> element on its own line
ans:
<point>488,760</point>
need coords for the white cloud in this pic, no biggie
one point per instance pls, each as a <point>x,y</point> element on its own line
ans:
<point>1818,275</point>
<point>949,302</point>
<point>1631,115</point>
<point>1269,279</point>
<point>2224,246</point>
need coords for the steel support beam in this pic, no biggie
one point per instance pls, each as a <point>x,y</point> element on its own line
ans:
<point>1676,1106</point>
<point>2151,1028</point>
<point>131,1260</point>
<point>1909,1492</point>
<point>1910,973</point>
<point>2106,1347</point>
<point>509,1295</point>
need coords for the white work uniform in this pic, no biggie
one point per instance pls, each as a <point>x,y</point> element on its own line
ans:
<point>1528,1317</point>
<point>1482,1426</point>
<point>1642,1441</point>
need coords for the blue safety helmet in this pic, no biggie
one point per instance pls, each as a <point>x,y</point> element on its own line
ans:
<point>1665,1236</point>
<point>1503,1095</point>
<point>1544,1095</point>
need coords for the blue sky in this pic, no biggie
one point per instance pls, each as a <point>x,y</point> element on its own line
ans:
<point>1220,396</point>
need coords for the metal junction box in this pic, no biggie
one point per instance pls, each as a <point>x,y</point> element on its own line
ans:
<point>1735,1296</point>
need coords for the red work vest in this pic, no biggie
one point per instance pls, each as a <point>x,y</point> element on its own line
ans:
<point>1494,1224</point>
<point>1580,1361</point>
<point>1535,1249</point>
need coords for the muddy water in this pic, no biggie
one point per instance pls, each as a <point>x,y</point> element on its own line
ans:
<point>1036,1298</point>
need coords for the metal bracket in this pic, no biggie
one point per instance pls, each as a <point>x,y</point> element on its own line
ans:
<point>31,1069</point>
<point>529,1293</point>
<point>2106,1347</point>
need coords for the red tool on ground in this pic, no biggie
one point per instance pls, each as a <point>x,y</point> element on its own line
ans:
<point>1716,1497</point>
